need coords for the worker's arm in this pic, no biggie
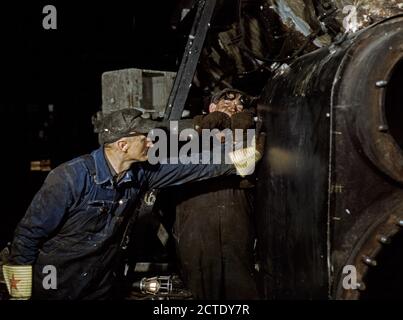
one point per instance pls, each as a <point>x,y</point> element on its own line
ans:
<point>169,174</point>
<point>44,215</point>
<point>242,162</point>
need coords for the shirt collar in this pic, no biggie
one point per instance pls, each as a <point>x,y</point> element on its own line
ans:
<point>103,173</point>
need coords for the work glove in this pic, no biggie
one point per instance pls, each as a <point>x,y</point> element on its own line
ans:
<point>243,120</point>
<point>245,159</point>
<point>214,120</point>
<point>19,281</point>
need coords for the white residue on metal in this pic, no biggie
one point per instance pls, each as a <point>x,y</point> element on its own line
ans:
<point>332,49</point>
<point>350,21</point>
<point>318,43</point>
<point>286,13</point>
<point>274,66</point>
<point>283,69</point>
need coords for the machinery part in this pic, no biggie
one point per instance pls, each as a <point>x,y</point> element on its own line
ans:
<point>371,245</point>
<point>141,89</point>
<point>333,165</point>
<point>184,77</point>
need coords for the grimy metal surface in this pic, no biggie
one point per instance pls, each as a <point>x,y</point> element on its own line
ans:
<point>330,181</point>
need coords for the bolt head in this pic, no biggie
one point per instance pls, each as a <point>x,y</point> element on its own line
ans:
<point>381,83</point>
<point>369,261</point>
<point>383,128</point>
<point>384,240</point>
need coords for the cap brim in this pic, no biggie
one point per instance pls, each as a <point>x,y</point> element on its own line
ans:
<point>147,125</point>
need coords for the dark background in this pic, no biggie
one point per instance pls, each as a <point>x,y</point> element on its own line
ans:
<point>63,67</point>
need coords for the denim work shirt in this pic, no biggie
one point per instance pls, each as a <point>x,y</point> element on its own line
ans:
<point>75,222</point>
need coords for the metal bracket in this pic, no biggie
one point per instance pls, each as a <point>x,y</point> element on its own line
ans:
<point>187,69</point>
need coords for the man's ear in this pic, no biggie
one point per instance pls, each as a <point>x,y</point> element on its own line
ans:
<point>212,107</point>
<point>122,145</point>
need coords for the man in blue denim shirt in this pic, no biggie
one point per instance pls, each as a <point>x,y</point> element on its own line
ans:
<point>76,220</point>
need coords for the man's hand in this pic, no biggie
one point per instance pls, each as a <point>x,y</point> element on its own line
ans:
<point>245,159</point>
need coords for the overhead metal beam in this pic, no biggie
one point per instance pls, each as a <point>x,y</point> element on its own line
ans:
<point>187,69</point>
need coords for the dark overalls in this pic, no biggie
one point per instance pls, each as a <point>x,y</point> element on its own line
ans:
<point>214,234</point>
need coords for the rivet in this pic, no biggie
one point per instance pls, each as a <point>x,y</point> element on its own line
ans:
<point>383,128</point>
<point>371,262</point>
<point>384,239</point>
<point>381,83</point>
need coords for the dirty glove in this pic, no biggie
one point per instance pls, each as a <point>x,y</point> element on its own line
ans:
<point>245,159</point>
<point>214,120</point>
<point>243,120</point>
<point>18,280</point>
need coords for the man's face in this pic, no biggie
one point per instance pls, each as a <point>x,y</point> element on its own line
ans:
<point>230,104</point>
<point>138,147</point>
